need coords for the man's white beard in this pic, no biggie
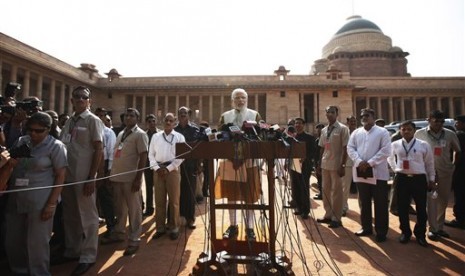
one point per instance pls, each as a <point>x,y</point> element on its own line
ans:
<point>242,109</point>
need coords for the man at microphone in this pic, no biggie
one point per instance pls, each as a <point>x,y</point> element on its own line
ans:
<point>239,181</point>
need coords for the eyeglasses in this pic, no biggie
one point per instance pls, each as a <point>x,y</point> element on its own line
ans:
<point>37,130</point>
<point>439,121</point>
<point>79,97</point>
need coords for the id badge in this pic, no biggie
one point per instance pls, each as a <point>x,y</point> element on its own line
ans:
<point>327,146</point>
<point>437,150</point>
<point>405,164</point>
<point>22,182</point>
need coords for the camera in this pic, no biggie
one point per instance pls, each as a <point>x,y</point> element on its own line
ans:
<point>30,106</point>
<point>11,88</point>
<point>23,151</point>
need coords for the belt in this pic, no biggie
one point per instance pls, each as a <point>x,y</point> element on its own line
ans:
<point>410,175</point>
<point>164,163</point>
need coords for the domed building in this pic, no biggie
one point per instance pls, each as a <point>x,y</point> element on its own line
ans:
<point>359,67</point>
<point>361,48</point>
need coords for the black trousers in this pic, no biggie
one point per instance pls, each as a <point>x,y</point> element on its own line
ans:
<point>409,187</point>
<point>148,175</point>
<point>458,185</point>
<point>188,185</point>
<point>379,193</point>
<point>300,192</point>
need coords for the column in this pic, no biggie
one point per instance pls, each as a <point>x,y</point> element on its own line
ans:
<point>402,109</point>
<point>210,109</point>
<point>26,84</point>
<point>414,107</point>
<point>391,111</point>
<point>61,99</point>
<point>463,104</point>
<point>428,106</point>
<point>14,73</point>
<point>451,108</point>
<point>1,75</point>
<point>439,103</point>
<point>51,99</point>
<point>166,105</point>
<point>143,112</point>
<point>367,102</point>
<point>256,103</point>
<point>378,108</point>
<point>200,108</point>
<point>316,105</point>
<point>156,109</point>
<point>39,86</point>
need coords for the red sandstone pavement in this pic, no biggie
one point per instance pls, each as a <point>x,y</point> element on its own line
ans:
<point>323,251</point>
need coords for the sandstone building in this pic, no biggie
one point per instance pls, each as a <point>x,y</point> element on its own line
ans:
<point>359,68</point>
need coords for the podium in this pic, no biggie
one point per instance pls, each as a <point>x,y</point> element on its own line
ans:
<point>241,251</point>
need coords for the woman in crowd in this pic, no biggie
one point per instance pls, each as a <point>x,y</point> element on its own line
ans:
<point>29,213</point>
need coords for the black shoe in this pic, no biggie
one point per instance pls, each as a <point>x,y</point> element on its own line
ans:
<point>58,260</point>
<point>404,238</point>
<point>174,235</point>
<point>380,238</point>
<point>297,213</point>
<point>362,233</point>
<point>131,250</point>
<point>318,197</point>
<point>81,268</point>
<point>344,213</point>
<point>231,232</point>
<point>158,235</point>
<point>191,225</point>
<point>422,242</point>
<point>250,235</point>
<point>395,213</point>
<point>148,212</point>
<point>433,236</point>
<point>454,223</point>
<point>443,233</point>
<point>334,224</point>
<point>323,220</point>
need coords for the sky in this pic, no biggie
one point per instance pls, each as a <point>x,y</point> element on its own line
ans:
<point>218,37</point>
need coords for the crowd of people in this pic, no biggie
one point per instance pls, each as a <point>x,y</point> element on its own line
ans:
<point>68,173</point>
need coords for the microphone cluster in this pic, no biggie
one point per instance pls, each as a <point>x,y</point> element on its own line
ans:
<point>250,131</point>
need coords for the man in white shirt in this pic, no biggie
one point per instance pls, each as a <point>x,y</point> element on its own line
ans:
<point>412,161</point>
<point>369,147</point>
<point>167,179</point>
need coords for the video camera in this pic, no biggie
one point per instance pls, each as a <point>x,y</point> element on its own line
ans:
<point>8,104</point>
<point>23,151</point>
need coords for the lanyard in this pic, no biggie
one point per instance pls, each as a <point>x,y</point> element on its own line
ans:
<point>411,147</point>
<point>438,140</point>
<point>125,135</point>
<point>73,123</point>
<point>330,130</point>
<point>169,142</point>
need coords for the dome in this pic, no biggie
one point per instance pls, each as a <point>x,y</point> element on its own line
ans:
<point>356,23</point>
<point>357,35</point>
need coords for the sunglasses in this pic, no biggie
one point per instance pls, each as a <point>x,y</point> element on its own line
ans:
<point>77,97</point>
<point>37,130</point>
